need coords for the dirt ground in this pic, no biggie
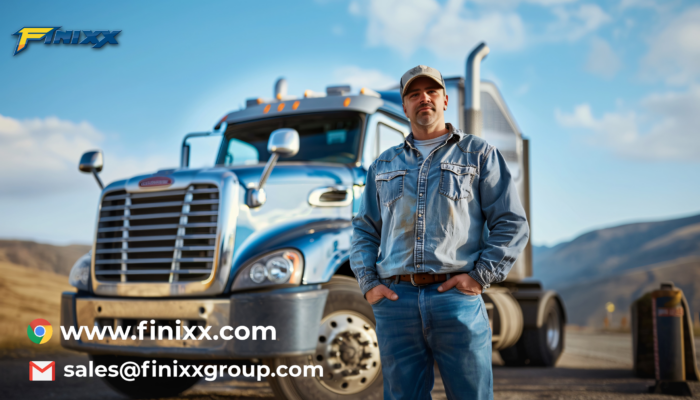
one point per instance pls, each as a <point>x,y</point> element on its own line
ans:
<point>593,366</point>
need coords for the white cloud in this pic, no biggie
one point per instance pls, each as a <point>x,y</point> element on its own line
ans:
<point>450,29</point>
<point>626,4</point>
<point>671,118</point>
<point>447,30</point>
<point>674,53</point>
<point>550,2</point>
<point>456,31</point>
<point>573,24</point>
<point>400,24</point>
<point>40,157</point>
<point>514,3</point>
<point>602,60</point>
<point>359,77</point>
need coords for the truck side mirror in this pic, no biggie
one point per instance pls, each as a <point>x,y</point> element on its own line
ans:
<point>91,163</point>
<point>283,143</point>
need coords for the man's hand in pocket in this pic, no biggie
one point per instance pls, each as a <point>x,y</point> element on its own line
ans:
<point>379,292</point>
<point>465,284</point>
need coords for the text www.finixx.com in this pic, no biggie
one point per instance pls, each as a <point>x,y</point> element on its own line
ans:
<point>130,371</point>
<point>181,332</point>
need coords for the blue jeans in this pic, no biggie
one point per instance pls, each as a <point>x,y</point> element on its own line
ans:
<point>424,326</point>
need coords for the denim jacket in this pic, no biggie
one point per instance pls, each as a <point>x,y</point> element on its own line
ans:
<point>456,210</point>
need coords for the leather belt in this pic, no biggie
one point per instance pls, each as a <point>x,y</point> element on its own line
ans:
<point>422,278</point>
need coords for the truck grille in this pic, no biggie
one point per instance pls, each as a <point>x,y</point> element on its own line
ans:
<point>167,236</point>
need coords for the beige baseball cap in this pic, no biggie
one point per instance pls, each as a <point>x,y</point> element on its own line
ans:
<point>417,72</point>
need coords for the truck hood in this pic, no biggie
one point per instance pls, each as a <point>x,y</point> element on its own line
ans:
<point>248,176</point>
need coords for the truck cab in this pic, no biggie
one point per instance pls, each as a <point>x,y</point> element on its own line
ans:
<point>261,240</point>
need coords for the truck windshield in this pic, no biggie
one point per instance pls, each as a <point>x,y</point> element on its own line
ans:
<point>330,138</point>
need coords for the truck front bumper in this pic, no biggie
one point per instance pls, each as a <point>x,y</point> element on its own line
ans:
<point>295,316</point>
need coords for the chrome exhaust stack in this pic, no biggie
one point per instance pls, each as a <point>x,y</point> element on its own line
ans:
<point>472,90</point>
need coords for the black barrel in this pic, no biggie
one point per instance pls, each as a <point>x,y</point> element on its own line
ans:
<point>667,315</point>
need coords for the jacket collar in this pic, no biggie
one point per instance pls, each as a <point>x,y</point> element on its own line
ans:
<point>454,132</point>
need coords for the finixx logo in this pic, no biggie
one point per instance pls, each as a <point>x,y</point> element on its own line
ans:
<point>52,35</point>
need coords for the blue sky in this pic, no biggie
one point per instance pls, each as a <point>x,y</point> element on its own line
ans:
<point>608,92</point>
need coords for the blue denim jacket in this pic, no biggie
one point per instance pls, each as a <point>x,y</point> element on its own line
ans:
<point>456,210</point>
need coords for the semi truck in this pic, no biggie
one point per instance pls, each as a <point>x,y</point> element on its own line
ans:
<point>262,237</point>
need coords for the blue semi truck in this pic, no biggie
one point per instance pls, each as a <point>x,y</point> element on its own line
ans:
<point>261,238</point>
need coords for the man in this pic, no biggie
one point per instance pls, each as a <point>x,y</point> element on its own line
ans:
<point>440,220</point>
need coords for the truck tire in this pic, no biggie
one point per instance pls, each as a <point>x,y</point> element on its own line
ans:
<point>346,351</point>
<point>541,346</point>
<point>144,387</point>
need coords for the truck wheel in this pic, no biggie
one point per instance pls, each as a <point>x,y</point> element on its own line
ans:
<point>539,346</point>
<point>346,351</point>
<point>143,387</point>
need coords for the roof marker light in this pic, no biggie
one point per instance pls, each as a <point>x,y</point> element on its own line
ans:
<point>267,108</point>
<point>295,105</point>
<point>346,102</point>
<point>311,93</point>
<point>369,92</point>
<point>260,100</point>
<point>280,107</point>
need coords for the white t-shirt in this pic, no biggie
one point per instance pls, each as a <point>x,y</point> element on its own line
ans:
<point>426,146</point>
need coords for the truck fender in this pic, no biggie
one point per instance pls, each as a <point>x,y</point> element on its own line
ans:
<point>324,244</point>
<point>533,302</point>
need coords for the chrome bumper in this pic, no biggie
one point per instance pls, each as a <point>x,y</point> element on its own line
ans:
<point>295,315</point>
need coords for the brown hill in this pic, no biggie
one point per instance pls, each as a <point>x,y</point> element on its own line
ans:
<point>44,257</point>
<point>620,264</point>
<point>585,300</point>
<point>28,294</point>
<point>617,250</point>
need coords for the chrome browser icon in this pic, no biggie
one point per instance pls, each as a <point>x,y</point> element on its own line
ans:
<point>39,331</point>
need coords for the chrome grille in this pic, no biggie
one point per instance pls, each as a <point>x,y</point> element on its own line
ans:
<point>167,236</point>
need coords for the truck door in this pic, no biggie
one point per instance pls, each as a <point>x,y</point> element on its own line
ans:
<point>382,133</point>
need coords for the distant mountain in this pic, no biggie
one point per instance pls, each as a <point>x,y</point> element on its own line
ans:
<point>585,302</point>
<point>619,264</point>
<point>44,257</point>
<point>613,251</point>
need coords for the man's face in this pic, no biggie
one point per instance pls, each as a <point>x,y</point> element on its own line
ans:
<point>425,102</point>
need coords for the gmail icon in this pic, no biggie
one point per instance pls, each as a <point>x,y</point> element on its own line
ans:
<point>42,370</point>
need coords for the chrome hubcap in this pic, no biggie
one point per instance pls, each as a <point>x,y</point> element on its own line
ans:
<point>348,352</point>
<point>553,330</point>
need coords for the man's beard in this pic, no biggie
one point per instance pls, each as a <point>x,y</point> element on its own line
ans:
<point>426,119</point>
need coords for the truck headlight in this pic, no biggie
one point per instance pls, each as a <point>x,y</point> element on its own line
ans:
<point>279,268</point>
<point>80,273</point>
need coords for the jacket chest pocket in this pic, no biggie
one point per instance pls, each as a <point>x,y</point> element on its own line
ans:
<point>456,180</point>
<point>390,186</point>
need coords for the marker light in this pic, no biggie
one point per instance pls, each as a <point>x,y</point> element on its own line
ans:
<point>369,92</point>
<point>311,93</point>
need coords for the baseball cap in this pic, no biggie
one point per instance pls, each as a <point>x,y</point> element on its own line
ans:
<point>417,72</point>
